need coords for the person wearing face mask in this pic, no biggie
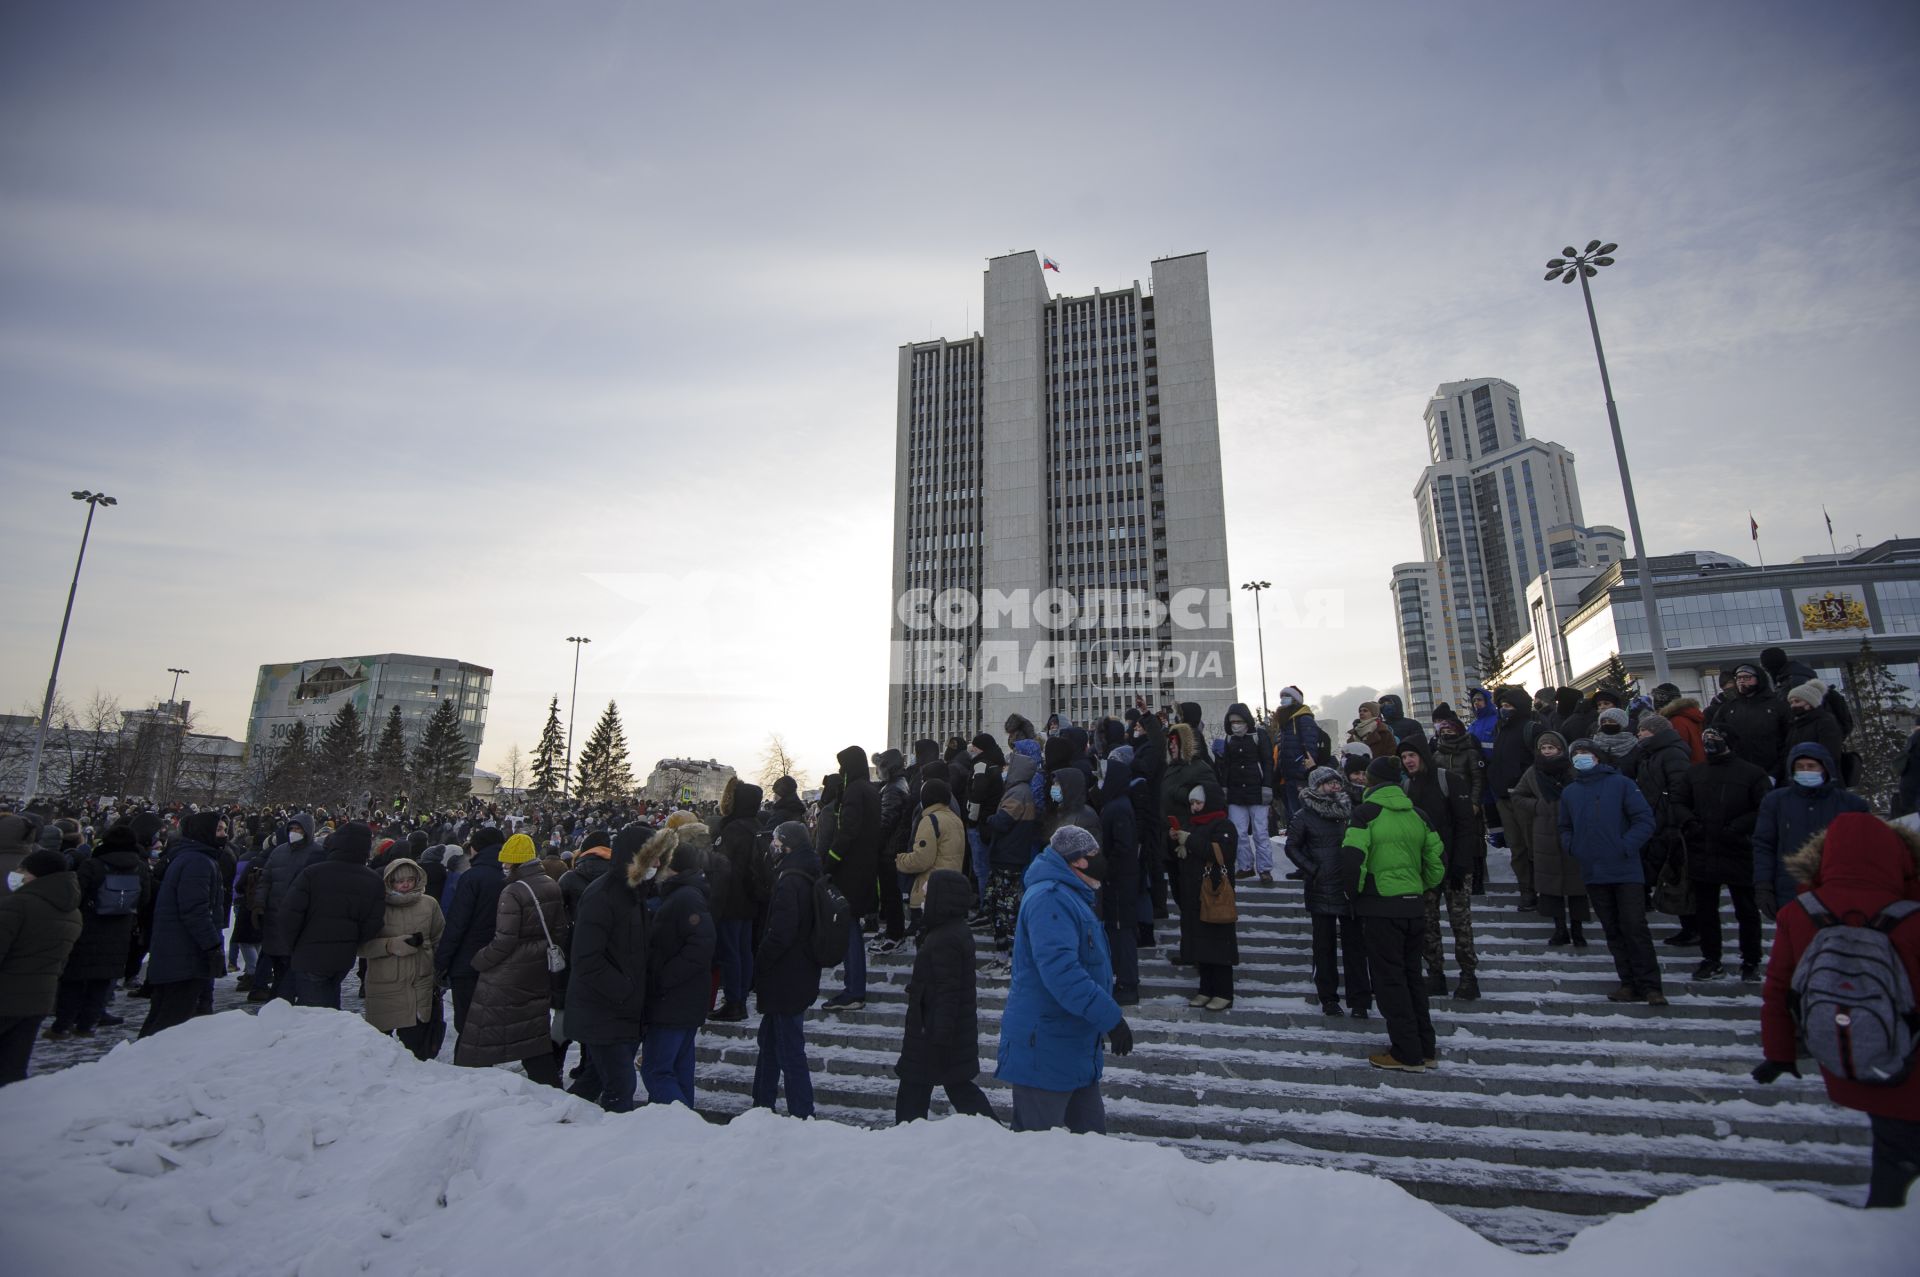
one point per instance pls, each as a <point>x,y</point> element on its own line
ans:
<point>1457,752</point>
<point>1604,823</point>
<point>1556,874</point>
<point>1809,721</point>
<point>1243,761</point>
<point>1205,851</point>
<point>334,907</point>
<point>1313,844</point>
<point>1612,741</point>
<point>1719,803</point>
<point>39,922</point>
<point>283,865</point>
<point>1059,1005</point>
<point>1296,747</point>
<point>403,998</point>
<point>1792,814</point>
<point>1754,719</point>
<point>187,953</point>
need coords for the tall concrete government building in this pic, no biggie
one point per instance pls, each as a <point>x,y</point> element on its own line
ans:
<point>1059,540</point>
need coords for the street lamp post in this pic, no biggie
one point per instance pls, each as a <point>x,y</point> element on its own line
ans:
<point>94,501</point>
<point>566,779</point>
<point>1584,265</point>
<point>1260,634</point>
<point>174,697</point>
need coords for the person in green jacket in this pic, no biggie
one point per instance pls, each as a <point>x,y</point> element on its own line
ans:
<point>1391,858</point>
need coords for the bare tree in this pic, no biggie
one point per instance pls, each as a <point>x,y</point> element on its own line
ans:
<point>513,769</point>
<point>775,760</point>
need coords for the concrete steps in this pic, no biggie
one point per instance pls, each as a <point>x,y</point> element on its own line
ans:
<point>1551,1108</point>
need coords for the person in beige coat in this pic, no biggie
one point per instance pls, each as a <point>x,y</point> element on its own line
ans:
<point>939,841</point>
<point>402,995</point>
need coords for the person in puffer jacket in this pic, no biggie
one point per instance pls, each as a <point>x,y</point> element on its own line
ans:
<point>1789,816</point>
<point>1313,845</point>
<point>1243,760</point>
<point>1390,858</point>
<point>403,997</point>
<point>1604,823</point>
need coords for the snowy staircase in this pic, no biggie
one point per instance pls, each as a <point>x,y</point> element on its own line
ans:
<point>1551,1108</point>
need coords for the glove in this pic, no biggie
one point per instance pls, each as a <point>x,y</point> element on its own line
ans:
<point>1266,795</point>
<point>1765,899</point>
<point>1771,1069</point>
<point>1120,1039</point>
<point>216,963</point>
<point>418,939</point>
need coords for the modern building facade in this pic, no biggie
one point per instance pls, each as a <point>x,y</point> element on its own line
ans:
<point>1497,509</point>
<point>1059,532</point>
<point>313,691</point>
<point>1717,612</point>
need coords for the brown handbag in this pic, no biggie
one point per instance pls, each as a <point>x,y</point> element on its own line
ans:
<point>1216,891</point>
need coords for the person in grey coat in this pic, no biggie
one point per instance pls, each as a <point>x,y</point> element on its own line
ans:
<point>1313,845</point>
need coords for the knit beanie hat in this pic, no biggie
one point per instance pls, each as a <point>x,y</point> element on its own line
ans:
<point>1072,843</point>
<point>1813,691</point>
<point>519,850</point>
<point>793,835</point>
<point>1198,794</point>
<point>49,838</point>
<point>1443,715</point>
<point>485,840</point>
<point>936,791</point>
<point>1384,771</point>
<point>596,838</point>
<point>1321,775</point>
<point>355,840</point>
<point>43,862</point>
<point>1613,716</point>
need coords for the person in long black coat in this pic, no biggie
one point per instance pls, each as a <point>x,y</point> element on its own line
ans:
<point>679,977</point>
<point>787,979</point>
<point>100,954</point>
<point>471,917</point>
<point>334,907</point>
<point>1718,803</point>
<point>1120,894</point>
<point>607,991</point>
<point>1213,947</point>
<point>734,893</point>
<point>942,1043</point>
<point>186,954</point>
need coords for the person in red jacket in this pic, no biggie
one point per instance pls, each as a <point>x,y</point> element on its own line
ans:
<point>1685,715</point>
<point>1859,866</point>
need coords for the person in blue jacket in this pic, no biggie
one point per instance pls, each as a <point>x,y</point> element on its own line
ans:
<point>1060,1003</point>
<point>1791,814</point>
<point>1604,822</point>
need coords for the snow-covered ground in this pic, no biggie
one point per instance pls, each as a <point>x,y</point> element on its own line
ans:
<point>300,1143</point>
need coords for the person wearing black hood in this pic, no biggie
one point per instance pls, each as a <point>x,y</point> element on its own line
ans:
<point>1148,736</point>
<point>592,862</point>
<point>983,790</point>
<point>1243,758</point>
<point>335,907</point>
<point>471,918</point>
<point>1566,710</point>
<point>106,916</point>
<point>788,979</point>
<point>1754,720</point>
<point>1120,890</point>
<point>607,991</point>
<point>735,895</point>
<point>896,831</point>
<point>1556,874</point>
<point>39,923</point>
<point>1449,811</point>
<point>1658,764</point>
<point>278,869</point>
<point>941,1046</point>
<point>187,954</point>
<point>1512,754</point>
<point>853,864</point>
<point>679,976</point>
<point>1393,712</point>
<point>786,805</point>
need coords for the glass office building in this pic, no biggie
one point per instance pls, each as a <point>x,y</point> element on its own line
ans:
<point>313,692</point>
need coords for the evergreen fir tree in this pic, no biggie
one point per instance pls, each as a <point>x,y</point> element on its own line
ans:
<point>290,778</point>
<point>387,766</point>
<point>442,775</point>
<point>1616,676</point>
<point>340,766</point>
<point>1881,715</point>
<point>603,771</point>
<point>550,756</point>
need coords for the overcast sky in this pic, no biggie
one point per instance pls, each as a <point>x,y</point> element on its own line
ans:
<point>460,328</point>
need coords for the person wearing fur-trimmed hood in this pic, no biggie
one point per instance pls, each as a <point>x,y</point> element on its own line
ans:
<point>403,998</point>
<point>607,991</point>
<point>680,951</point>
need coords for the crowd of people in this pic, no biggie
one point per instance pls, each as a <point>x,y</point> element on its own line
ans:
<point>1053,856</point>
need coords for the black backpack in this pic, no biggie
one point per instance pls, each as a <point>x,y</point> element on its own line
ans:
<point>119,895</point>
<point>832,916</point>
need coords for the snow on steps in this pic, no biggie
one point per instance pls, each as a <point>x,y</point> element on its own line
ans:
<point>1552,1107</point>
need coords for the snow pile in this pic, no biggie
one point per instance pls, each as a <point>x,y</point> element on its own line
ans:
<point>300,1143</point>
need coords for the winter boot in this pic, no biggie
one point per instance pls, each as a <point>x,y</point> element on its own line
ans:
<point>1358,1013</point>
<point>1144,937</point>
<point>1625,993</point>
<point>1685,938</point>
<point>1437,984</point>
<point>1579,936</point>
<point>1708,970</point>
<point>1558,938</point>
<point>1385,1060</point>
<point>1331,1007</point>
<point>1529,902</point>
<point>1467,989</point>
<point>1655,998</point>
<point>1197,1001</point>
<point>730,1013</point>
<point>1750,972</point>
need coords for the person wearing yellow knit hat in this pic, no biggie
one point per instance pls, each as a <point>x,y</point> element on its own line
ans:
<point>519,850</point>
<point>507,1019</point>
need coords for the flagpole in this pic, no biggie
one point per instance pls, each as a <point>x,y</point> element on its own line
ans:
<point>1831,547</point>
<point>1753,530</point>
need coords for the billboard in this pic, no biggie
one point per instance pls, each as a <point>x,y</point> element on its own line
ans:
<point>310,691</point>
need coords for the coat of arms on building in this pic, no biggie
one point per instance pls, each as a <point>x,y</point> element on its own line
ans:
<point>1827,612</point>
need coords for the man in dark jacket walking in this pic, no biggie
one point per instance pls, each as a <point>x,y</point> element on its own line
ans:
<point>106,930</point>
<point>1390,858</point>
<point>1512,754</point>
<point>679,977</point>
<point>942,1042</point>
<point>607,991</point>
<point>335,907</point>
<point>186,954</point>
<point>279,868</point>
<point>1718,802</point>
<point>471,918</point>
<point>787,978</point>
<point>1604,823</point>
<point>39,922</point>
<point>853,864</point>
<point>1658,764</point>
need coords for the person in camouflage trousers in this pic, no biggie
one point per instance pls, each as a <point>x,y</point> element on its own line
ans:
<point>1460,919</point>
<point>1465,761</point>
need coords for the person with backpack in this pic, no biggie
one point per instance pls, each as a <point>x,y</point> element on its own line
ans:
<point>1811,800</point>
<point>114,884</point>
<point>1605,823</point>
<point>1859,916</point>
<point>939,843</point>
<point>1059,1005</point>
<point>787,968</point>
<point>941,1045</point>
<point>1390,857</point>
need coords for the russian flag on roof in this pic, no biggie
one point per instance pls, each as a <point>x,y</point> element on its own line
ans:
<point>1047,263</point>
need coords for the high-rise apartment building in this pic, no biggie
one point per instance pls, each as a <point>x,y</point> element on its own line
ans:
<point>1497,509</point>
<point>1059,537</point>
